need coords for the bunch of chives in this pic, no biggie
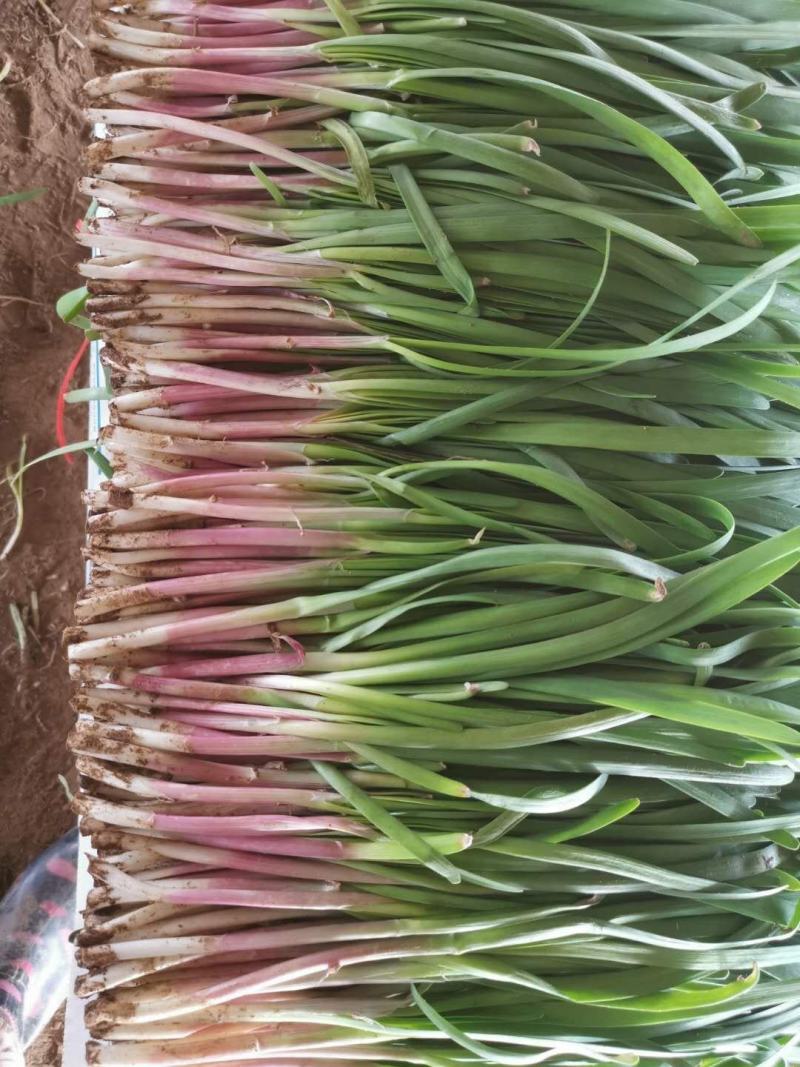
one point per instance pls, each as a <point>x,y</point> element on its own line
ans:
<point>439,675</point>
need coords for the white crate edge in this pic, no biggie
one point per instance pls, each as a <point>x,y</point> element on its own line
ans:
<point>75,1034</point>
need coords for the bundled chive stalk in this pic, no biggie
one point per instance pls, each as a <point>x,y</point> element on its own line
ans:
<point>439,674</point>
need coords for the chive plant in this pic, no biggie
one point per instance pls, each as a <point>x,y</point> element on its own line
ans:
<point>439,672</point>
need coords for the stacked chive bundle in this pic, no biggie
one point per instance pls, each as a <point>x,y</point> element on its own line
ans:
<point>440,671</point>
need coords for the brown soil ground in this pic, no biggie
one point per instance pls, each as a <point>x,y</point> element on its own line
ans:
<point>42,134</point>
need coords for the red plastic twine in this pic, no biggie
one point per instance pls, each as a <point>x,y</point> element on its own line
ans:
<point>63,389</point>
<point>66,381</point>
